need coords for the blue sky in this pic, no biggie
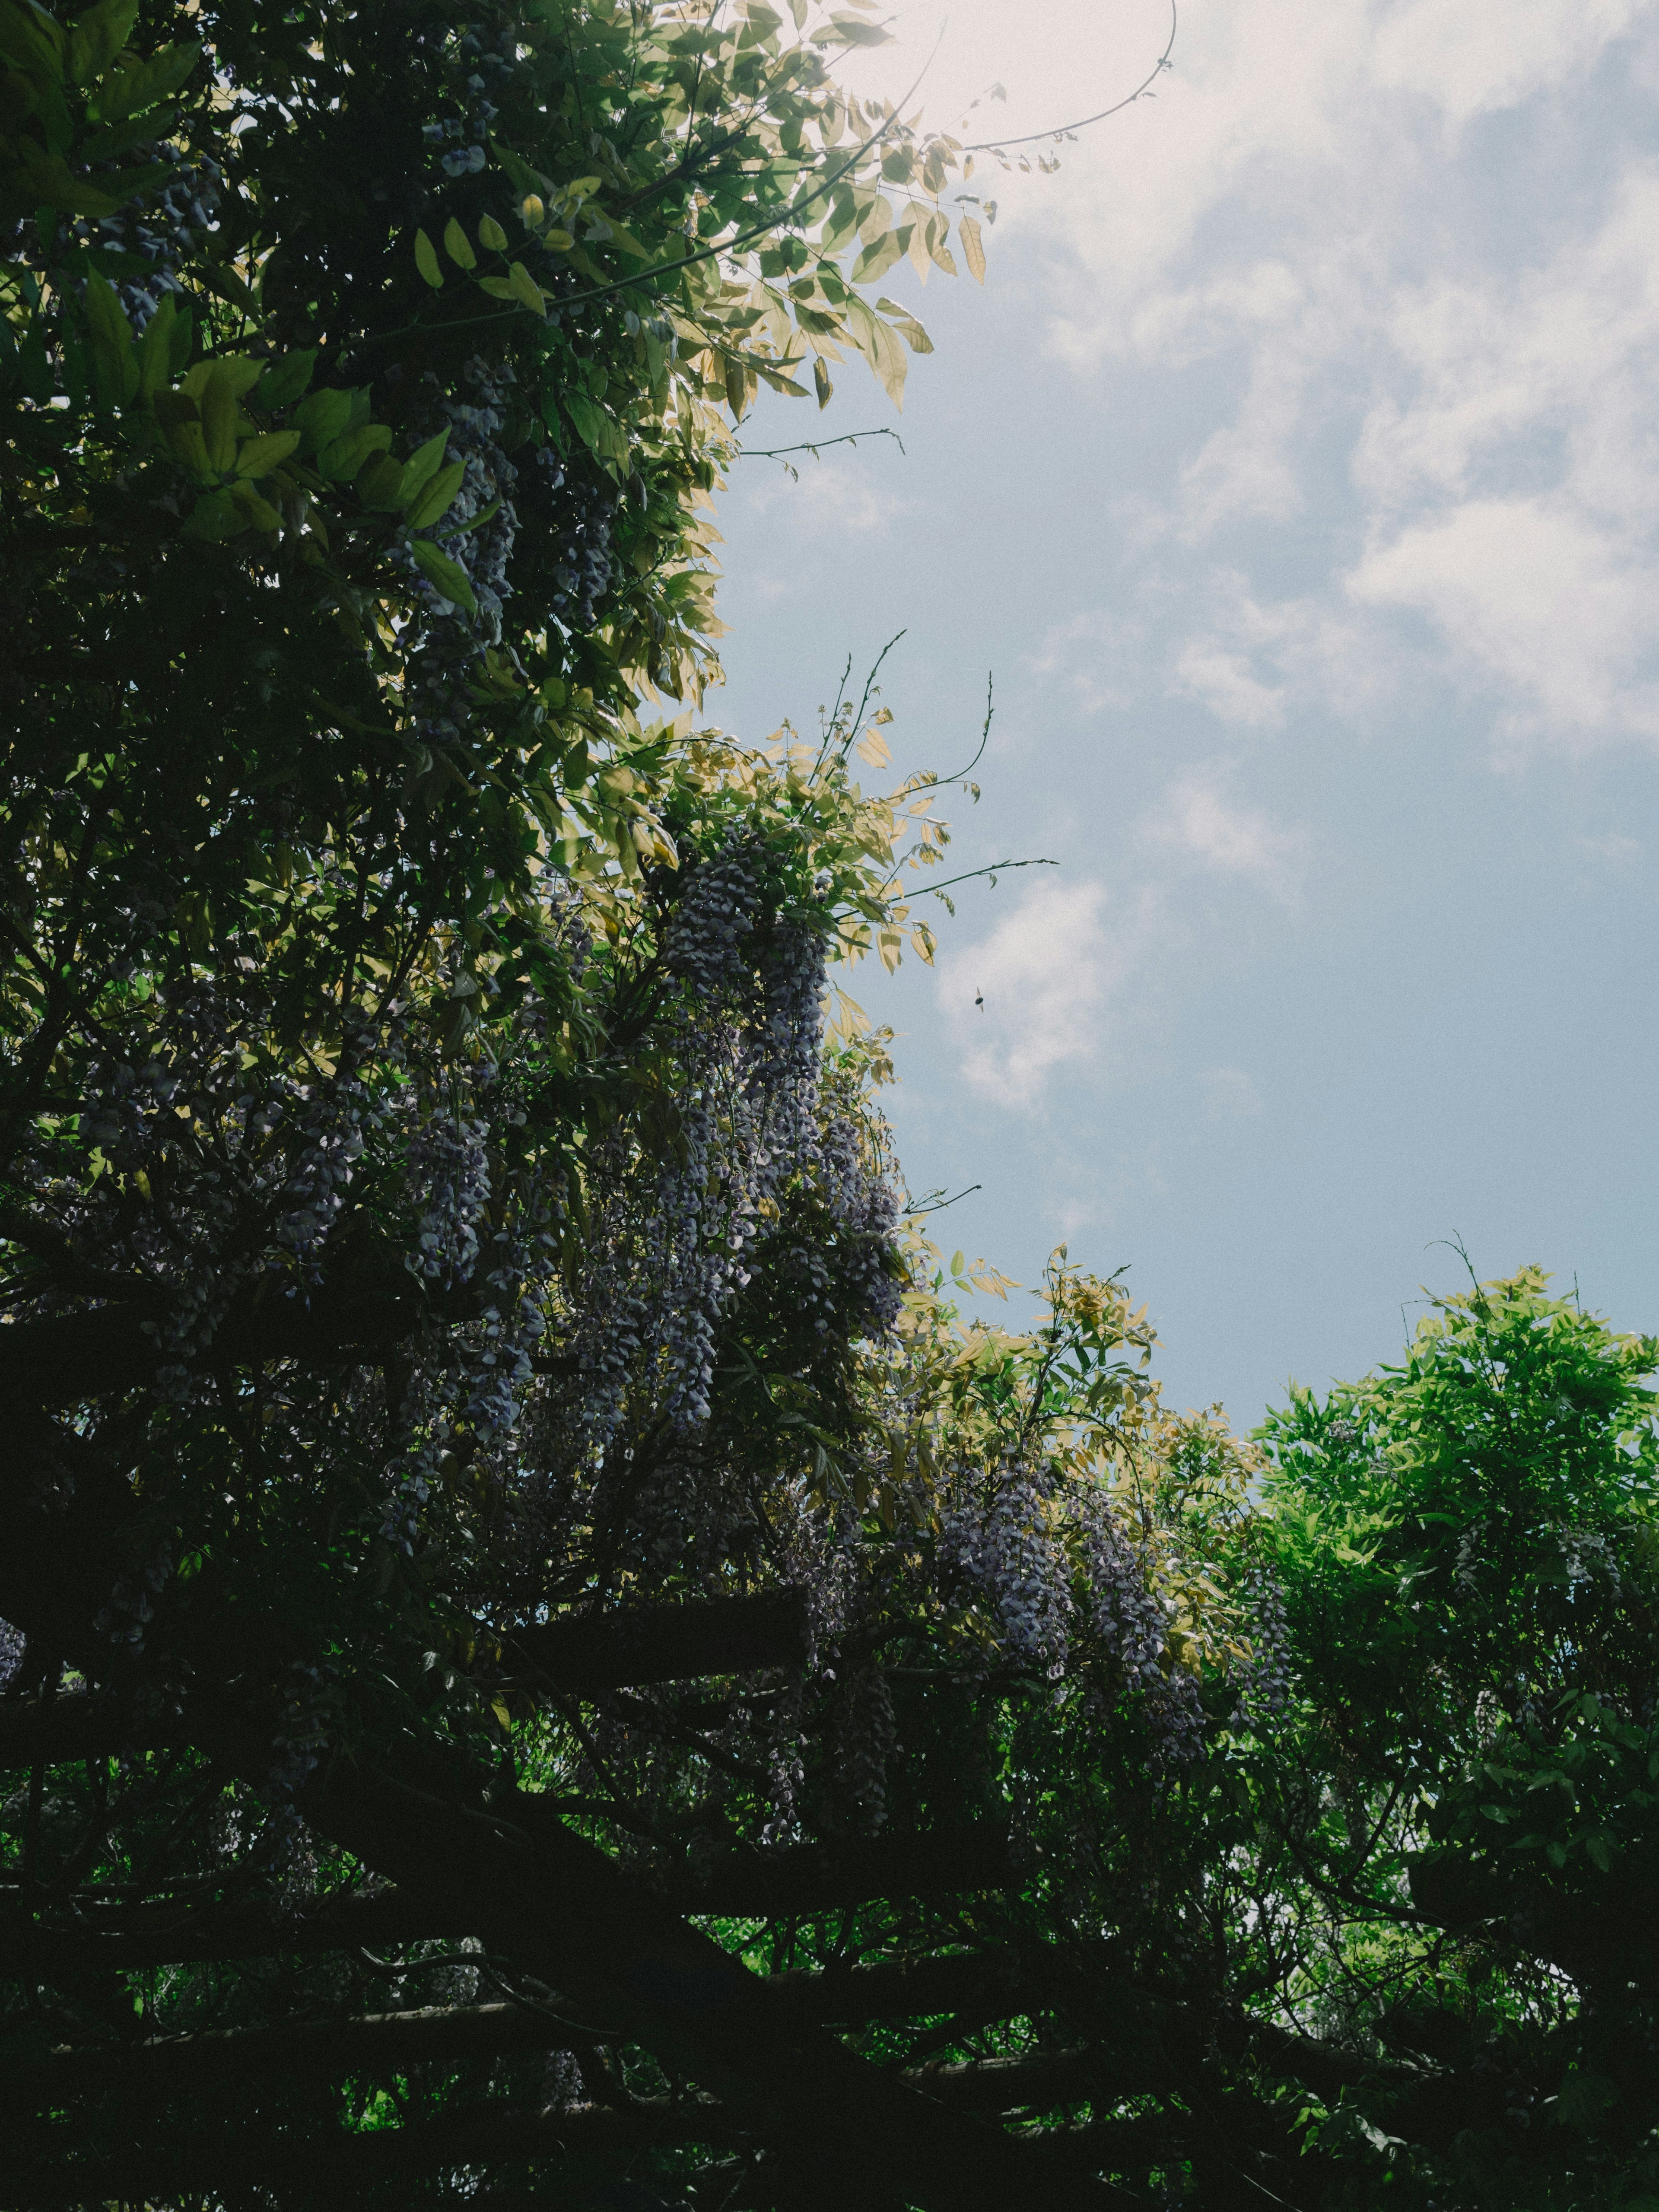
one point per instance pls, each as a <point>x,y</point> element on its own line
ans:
<point>1296,472</point>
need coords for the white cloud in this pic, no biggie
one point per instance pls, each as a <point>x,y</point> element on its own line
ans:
<point>1469,60</point>
<point>1066,975</point>
<point>1041,989</point>
<point>1198,820</point>
<point>1438,392</point>
<point>1250,660</point>
<point>833,495</point>
<point>1529,594</point>
<point>1613,850</point>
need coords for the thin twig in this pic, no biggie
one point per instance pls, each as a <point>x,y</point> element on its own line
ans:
<point>1064,129</point>
<point>815,445</point>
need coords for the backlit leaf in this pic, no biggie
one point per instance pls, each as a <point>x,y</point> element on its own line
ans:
<point>972,246</point>
<point>448,577</point>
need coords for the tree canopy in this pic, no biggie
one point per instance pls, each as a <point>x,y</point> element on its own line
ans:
<point>547,1658</point>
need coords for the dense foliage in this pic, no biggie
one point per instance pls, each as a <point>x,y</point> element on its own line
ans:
<point>547,1663</point>
<point>1465,1782</point>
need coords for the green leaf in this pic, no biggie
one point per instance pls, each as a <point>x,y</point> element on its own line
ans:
<point>491,234</point>
<point>225,284</point>
<point>380,483</point>
<point>258,456</point>
<point>342,459</point>
<point>526,180</point>
<point>114,363</point>
<point>220,404</point>
<point>181,339</point>
<point>435,499</point>
<point>284,381</point>
<point>525,289</point>
<point>45,181</point>
<point>257,510</point>
<point>589,419</point>
<point>238,372</point>
<point>426,260</point>
<point>448,577</point>
<point>140,85</point>
<point>103,145</point>
<point>181,424</point>
<point>28,35</point>
<point>423,464</point>
<point>216,515</point>
<point>1583,2097</point>
<point>456,245</point>
<point>97,37</point>
<point>484,514</point>
<point>323,416</point>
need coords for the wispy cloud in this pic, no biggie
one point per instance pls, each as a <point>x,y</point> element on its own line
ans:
<point>1045,988</point>
<point>1613,850</point>
<point>1449,397</point>
<point>1199,819</point>
<point>837,494</point>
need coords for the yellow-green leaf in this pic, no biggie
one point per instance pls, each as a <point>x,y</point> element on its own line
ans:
<point>491,234</point>
<point>423,464</point>
<point>234,370</point>
<point>878,257</point>
<point>972,246</point>
<point>525,289</point>
<point>435,499</point>
<point>342,459</point>
<point>426,260</point>
<point>457,246</point>
<point>913,335</point>
<point>880,348</point>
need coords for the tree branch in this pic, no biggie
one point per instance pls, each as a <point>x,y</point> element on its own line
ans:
<point>538,1891</point>
<point>665,1643</point>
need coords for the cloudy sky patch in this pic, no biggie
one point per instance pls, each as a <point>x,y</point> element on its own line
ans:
<point>1297,475</point>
